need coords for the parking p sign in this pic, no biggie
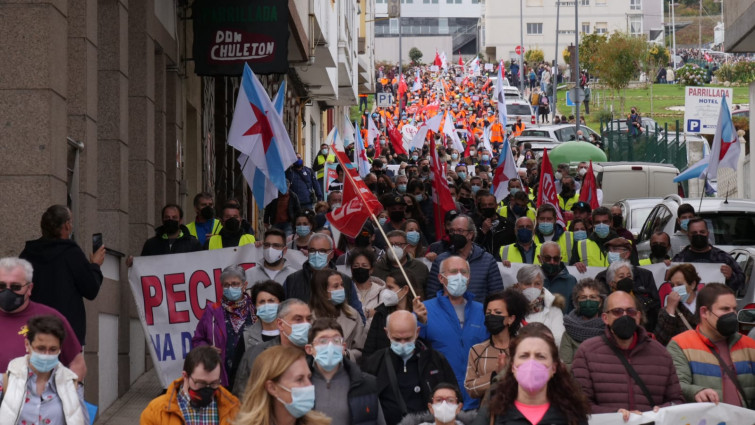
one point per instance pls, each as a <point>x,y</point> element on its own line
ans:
<point>702,106</point>
<point>384,100</point>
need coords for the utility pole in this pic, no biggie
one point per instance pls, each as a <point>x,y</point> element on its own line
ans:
<point>576,61</point>
<point>521,46</point>
<point>673,32</point>
<point>700,27</point>
<point>400,69</point>
<point>554,70</point>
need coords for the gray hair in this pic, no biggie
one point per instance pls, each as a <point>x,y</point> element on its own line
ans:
<point>318,236</point>
<point>11,263</point>
<point>551,244</point>
<point>400,315</point>
<point>443,263</point>
<point>233,271</point>
<point>615,266</point>
<point>470,225</point>
<point>285,306</point>
<point>528,273</point>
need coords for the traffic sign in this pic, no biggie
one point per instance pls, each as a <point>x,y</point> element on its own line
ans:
<point>569,101</point>
<point>577,94</point>
<point>519,50</point>
<point>384,100</point>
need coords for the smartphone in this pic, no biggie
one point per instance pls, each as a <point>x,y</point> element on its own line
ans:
<point>96,241</point>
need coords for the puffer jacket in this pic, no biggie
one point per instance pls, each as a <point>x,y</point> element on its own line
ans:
<point>485,277</point>
<point>426,418</point>
<point>698,368</point>
<point>609,387</point>
<point>164,410</point>
<point>551,316</point>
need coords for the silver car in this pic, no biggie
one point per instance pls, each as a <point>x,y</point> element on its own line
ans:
<point>560,132</point>
<point>635,211</point>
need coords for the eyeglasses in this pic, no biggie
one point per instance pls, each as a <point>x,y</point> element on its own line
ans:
<point>273,245</point>
<point>618,312</point>
<point>449,400</point>
<point>458,231</point>
<point>549,259</point>
<point>320,251</point>
<point>325,341</point>
<point>202,384</point>
<point>235,284</point>
<point>13,286</point>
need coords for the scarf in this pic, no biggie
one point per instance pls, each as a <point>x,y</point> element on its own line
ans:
<point>538,304</point>
<point>580,329</point>
<point>239,311</point>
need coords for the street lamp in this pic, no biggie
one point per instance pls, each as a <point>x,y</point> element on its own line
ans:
<point>673,33</point>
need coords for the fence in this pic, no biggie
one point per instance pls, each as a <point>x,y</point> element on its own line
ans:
<point>653,145</point>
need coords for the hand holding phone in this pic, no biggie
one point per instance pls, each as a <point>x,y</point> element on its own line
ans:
<point>96,241</point>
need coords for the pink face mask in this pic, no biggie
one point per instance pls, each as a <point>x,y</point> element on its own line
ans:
<point>532,375</point>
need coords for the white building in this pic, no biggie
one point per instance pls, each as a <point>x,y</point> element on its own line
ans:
<point>501,28</point>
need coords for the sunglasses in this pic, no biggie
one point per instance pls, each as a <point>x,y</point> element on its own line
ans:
<point>618,312</point>
<point>15,287</point>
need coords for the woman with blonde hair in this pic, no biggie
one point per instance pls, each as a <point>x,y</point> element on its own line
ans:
<point>280,391</point>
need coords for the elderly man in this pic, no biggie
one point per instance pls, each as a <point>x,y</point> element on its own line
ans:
<point>408,370</point>
<point>524,250</point>
<point>700,250</point>
<point>484,278</point>
<point>557,277</point>
<point>63,275</point>
<point>273,266</point>
<point>625,370</point>
<point>16,308</point>
<point>453,321</point>
<point>294,321</point>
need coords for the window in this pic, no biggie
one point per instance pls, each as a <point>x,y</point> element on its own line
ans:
<point>635,25</point>
<point>584,2</point>
<point>442,25</point>
<point>394,25</point>
<point>585,28</point>
<point>601,27</point>
<point>534,28</point>
<point>600,2</point>
<point>534,3</point>
<point>635,4</point>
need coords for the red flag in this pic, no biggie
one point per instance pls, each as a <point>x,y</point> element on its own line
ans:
<point>437,61</point>
<point>402,87</point>
<point>470,142</point>
<point>397,141</point>
<point>461,61</point>
<point>442,198</point>
<point>708,58</point>
<point>546,192</point>
<point>359,203</point>
<point>589,191</point>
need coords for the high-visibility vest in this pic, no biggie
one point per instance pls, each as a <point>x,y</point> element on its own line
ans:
<point>565,243</point>
<point>646,262</point>
<point>321,159</point>
<point>503,211</point>
<point>496,133</point>
<point>511,253</point>
<point>566,204</point>
<point>216,228</point>
<point>518,130</point>
<point>216,242</point>
<point>590,254</point>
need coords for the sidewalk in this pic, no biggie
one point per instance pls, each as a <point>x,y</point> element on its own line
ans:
<point>128,408</point>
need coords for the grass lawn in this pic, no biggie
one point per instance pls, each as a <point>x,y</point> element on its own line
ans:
<point>664,96</point>
<point>354,113</point>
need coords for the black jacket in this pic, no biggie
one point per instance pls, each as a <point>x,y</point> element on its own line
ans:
<point>159,245</point>
<point>299,285</point>
<point>646,292</point>
<point>62,276</point>
<point>433,370</point>
<point>272,208</point>
<point>363,396</point>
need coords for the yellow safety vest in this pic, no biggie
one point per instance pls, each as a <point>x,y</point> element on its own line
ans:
<point>512,253</point>
<point>216,242</point>
<point>565,243</point>
<point>566,204</point>
<point>646,262</point>
<point>503,211</point>
<point>321,159</point>
<point>216,228</point>
<point>591,255</point>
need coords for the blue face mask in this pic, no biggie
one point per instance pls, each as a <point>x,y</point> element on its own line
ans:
<point>43,362</point>
<point>403,350</point>
<point>412,237</point>
<point>419,197</point>
<point>299,333</point>
<point>302,400</point>
<point>602,230</point>
<point>401,188</point>
<point>682,291</point>
<point>462,175</point>
<point>519,210</point>
<point>302,230</point>
<point>415,158</point>
<point>684,224</point>
<point>338,296</point>
<point>486,157</point>
<point>454,156</point>
<point>457,285</point>
<point>232,294</point>
<point>514,190</point>
<point>328,356</point>
<point>318,260</point>
<point>613,256</point>
<point>475,188</point>
<point>580,235</point>
<point>267,312</point>
<point>382,221</point>
<point>524,235</point>
<point>545,228</point>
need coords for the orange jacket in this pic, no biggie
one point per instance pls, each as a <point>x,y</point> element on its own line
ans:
<point>518,129</point>
<point>164,410</point>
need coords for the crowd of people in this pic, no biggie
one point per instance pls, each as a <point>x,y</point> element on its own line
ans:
<point>408,322</point>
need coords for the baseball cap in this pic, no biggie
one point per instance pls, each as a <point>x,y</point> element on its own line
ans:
<point>582,206</point>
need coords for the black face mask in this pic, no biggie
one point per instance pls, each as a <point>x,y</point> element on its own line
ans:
<point>458,242</point>
<point>201,398</point>
<point>362,241</point>
<point>494,323</point>
<point>727,324</point>
<point>233,225</point>
<point>207,213</point>
<point>10,300</point>
<point>699,242</point>
<point>618,221</point>
<point>626,285</point>
<point>487,212</point>
<point>624,327</point>
<point>170,226</point>
<point>360,275</point>
<point>467,202</point>
<point>396,216</point>
<point>425,169</point>
<point>373,187</point>
<point>658,251</point>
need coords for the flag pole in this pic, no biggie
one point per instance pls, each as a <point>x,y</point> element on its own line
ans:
<point>702,192</point>
<point>377,223</point>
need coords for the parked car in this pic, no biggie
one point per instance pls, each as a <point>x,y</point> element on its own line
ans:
<point>731,223</point>
<point>635,211</point>
<point>621,180</point>
<point>519,108</point>
<point>648,124</point>
<point>745,257</point>
<point>538,144</point>
<point>560,132</point>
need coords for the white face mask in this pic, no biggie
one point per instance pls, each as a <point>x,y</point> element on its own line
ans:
<point>582,171</point>
<point>389,298</point>
<point>531,293</point>
<point>272,255</point>
<point>444,412</point>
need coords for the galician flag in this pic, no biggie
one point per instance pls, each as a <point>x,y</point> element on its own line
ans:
<point>449,129</point>
<point>257,131</point>
<point>501,99</point>
<point>725,150</point>
<point>505,171</point>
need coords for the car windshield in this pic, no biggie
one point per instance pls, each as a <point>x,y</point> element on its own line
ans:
<point>536,133</point>
<point>515,109</point>
<point>731,228</point>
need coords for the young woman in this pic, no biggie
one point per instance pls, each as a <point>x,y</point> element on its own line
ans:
<point>361,262</point>
<point>416,242</point>
<point>329,300</point>
<point>304,225</point>
<point>395,296</point>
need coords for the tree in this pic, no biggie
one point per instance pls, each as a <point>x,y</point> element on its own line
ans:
<point>534,55</point>
<point>619,59</point>
<point>588,51</point>
<point>415,55</point>
<point>566,54</point>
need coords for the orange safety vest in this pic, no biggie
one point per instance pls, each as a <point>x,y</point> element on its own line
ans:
<point>518,130</point>
<point>496,133</point>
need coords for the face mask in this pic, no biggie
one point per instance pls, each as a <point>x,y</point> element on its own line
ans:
<point>170,227</point>
<point>10,300</point>
<point>396,216</point>
<point>299,163</point>
<point>514,190</point>
<point>267,312</point>
<point>467,202</point>
<point>454,156</point>
<point>458,242</point>
<point>398,253</point>
<point>602,230</point>
<point>519,210</point>
<point>699,242</point>
<point>232,225</point>
<point>328,356</point>
<point>302,230</point>
<point>475,189</point>
<point>201,398</point>
<point>403,350</point>
<point>580,235</point>
<point>302,400</point>
<point>684,224</point>
<point>415,158</point>
<point>588,308</point>
<point>272,255</point>
<point>531,293</point>
<point>462,175</point>
<point>444,412</point>
<point>524,235</point>
<point>457,284</point>
<point>338,296</point>
<point>360,274</point>
<point>494,323</point>
<point>618,221</point>
<point>412,237</point>
<point>551,269</point>
<point>545,228</point>
<point>317,260</point>
<point>419,197</point>
<point>727,324</point>
<point>532,375</point>
<point>558,175</point>
<point>682,291</point>
<point>472,153</point>
<point>207,213</point>
<point>383,220</point>
<point>299,333</point>
<point>658,251</point>
<point>401,188</point>
<point>389,298</point>
<point>582,171</point>
<point>486,157</point>
<point>624,327</point>
<point>232,294</point>
<point>626,285</point>
<point>335,206</point>
<point>43,362</point>
<point>613,256</point>
<point>324,151</point>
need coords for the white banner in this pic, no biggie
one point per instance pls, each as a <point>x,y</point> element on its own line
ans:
<point>690,413</point>
<point>171,292</point>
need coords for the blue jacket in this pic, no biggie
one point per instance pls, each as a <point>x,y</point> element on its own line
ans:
<point>485,277</point>
<point>301,182</point>
<point>445,335</point>
<point>563,283</point>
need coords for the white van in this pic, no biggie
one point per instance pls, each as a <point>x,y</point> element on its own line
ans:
<point>621,180</point>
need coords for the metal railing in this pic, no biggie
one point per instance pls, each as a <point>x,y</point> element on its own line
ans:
<point>652,145</point>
